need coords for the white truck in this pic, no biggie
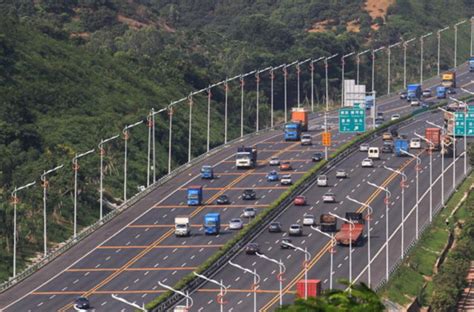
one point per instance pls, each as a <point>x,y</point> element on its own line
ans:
<point>182,226</point>
<point>246,157</point>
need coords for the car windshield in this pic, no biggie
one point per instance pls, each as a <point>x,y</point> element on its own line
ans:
<point>249,209</point>
<point>180,226</point>
<point>235,221</point>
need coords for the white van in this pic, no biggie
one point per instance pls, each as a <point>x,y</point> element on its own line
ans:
<point>373,153</point>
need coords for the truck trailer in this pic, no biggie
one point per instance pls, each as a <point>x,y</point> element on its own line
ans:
<point>194,195</point>
<point>434,136</point>
<point>328,223</point>
<point>212,223</point>
<point>300,114</point>
<point>449,79</point>
<point>401,145</point>
<point>345,236</point>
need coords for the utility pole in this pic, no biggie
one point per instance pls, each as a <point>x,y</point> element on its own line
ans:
<point>421,56</point>
<point>389,54</point>
<point>405,46</point>
<point>438,35</point>
<point>456,43</point>
<point>75,167</point>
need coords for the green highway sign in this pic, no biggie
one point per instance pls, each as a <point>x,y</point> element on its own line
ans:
<point>352,119</point>
<point>462,119</point>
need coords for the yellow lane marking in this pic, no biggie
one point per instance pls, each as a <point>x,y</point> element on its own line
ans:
<point>131,269</point>
<point>160,246</point>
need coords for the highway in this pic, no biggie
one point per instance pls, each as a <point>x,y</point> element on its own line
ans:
<point>130,254</point>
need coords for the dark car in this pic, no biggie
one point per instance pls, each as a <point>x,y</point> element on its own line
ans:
<point>252,248</point>
<point>283,245</point>
<point>387,148</point>
<point>451,91</point>
<point>403,95</point>
<point>274,227</point>
<point>82,303</point>
<point>223,200</point>
<point>249,194</point>
<point>317,157</point>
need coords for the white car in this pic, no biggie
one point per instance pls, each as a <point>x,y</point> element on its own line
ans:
<point>250,212</point>
<point>286,179</point>
<point>322,180</point>
<point>367,162</point>
<point>329,198</point>
<point>364,147</point>
<point>341,174</point>
<point>295,230</point>
<point>274,161</point>
<point>415,102</point>
<point>395,117</point>
<point>236,224</point>
<point>415,143</point>
<point>306,139</point>
<point>308,219</point>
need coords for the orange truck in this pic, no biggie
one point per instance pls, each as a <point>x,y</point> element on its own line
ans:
<point>433,135</point>
<point>345,235</point>
<point>300,114</point>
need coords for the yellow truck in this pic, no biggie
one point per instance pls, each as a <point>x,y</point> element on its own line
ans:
<point>449,79</point>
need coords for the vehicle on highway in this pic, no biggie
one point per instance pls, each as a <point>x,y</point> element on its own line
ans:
<point>249,212</point>
<point>236,224</point>
<point>426,93</point>
<point>223,200</point>
<point>273,176</point>
<point>194,195</point>
<point>207,172</point>
<point>373,153</point>
<point>306,139</point>
<point>403,95</point>
<point>295,230</point>
<point>415,102</point>
<point>327,223</point>
<point>387,136</point>
<point>286,165</point>
<point>341,173</point>
<point>252,248</point>
<point>317,157</point>
<point>274,161</point>
<point>246,157</point>
<point>401,145</point>
<point>275,227</point>
<point>415,143</point>
<point>212,223</point>
<point>322,180</point>
<point>285,246</point>
<point>367,162</point>
<point>329,197</point>
<point>364,147</point>
<point>249,194</point>
<point>451,91</point>
<point>387,147</point>
<point>300,200</point>
<point>82,303</point>
<point>378,122</point>
<point>380,116</point>
<point>308,220</point>
<point>286,179</point>
<point>395,117</point>
<point>182,226</point>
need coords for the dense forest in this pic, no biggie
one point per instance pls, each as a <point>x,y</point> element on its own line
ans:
<point>75,72</point>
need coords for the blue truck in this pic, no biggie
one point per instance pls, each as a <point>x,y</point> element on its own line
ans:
<point>441,92</point>
<point>207,172</point>
<point>212,223</point>
<point>194,195</point>
<point>292,131</point>
<point>401,144</point>
<point>471,64</point>
<point>369,101</point>
<point>414,92</point>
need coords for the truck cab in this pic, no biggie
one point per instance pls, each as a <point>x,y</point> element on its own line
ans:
<point>246,157</point>
<point>300,115</point>
<point>194,195</point>
<point>401,145</point>
<point>292,131</point>
<point>207,172</point>
<point>182,226</point>
<point>441,92</point>
<point>414,92</point>
<point>212,223</point>
<point>449,79</point>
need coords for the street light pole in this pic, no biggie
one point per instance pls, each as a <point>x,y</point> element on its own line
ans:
<point>465,131</point>
<point>387,202</point>
<point>208,135</point>
<point>442,158</point>
<point>472,36</point>
<point>101,179</point>
<point>223,291</point>
<point>242,85</point>
<point>15,201</point>
<point>285,95</point>
<point>456,42</point>
<point>45,184</point>
<point>350,244</point>
<point>134,305</point>
<point>75,167</point>
<point>389,54</point>
<point>438,35</point>
<point>369,217</point>
<point>272,78</point>
<point>430,151</point>
<point>343,63</point>
<point>125,132</point>
<point>358,63</point>
<point>170,136</point>
<point>421,55</point>
<point>256,281</point>
<point>312,68</point>
<point>403,186</point>
<point>373,66</point>
<point>189,300</point>
<point>405,46</point>
<point>417,169</point>
<point>307,256</point>
<point>331,251</point>
<point>152,138</point>
<point>282,270</point>
<point>326,65</point>
<point>190,126</point>
<point>226,101</point>
<point>454,143</point>
<point>257,81</point>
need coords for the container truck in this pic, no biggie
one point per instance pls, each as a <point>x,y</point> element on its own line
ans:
<point>293,131</point>
<point>182,226</point>
<point>212,223</point>
<point>313,287</point>
<point>441,92</point>
<point>345,235</point>
<point>471,64</point>
<point>300,114</point>
<point>194,195</point>
<point>449,79</point>
<point>356,217</point>
<point>401,144</point>
<point>207,172</point>
<point>414,92</point>
<point>434,136</point>
<point>328,223</point>
<point>447,146</point>
<point>246,157</point>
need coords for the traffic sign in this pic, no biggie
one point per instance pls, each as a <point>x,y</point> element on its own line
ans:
<point>352,119</point>
<point>464,122</point>
<point>326,136</point>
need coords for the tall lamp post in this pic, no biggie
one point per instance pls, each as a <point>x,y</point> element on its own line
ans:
<point>438,35</point>
<point>15,201</point>
<point>465,131</point>
<point>282,270</point>
<point>45,184</point>
<point>403,186</point>
<point>456,42</point>
<point>405,47</point>
<point>472,36</point>
<point>331,251</point>
<point>454,144</point>
<point>125,132</point>
<point>307,256</point>
<point>422,55</point>
<point>350,243</point>
<point>312,68</point>
<point>417,169</point>
<point>368,217</point>
<point>389,54</point>
<point>430,152</point>
<point>443,153</point>
<point>256,281</point>
<point>326,66</point>
<point>223,291</point>
<point>101,179</point>
<point>189,300</point>
<point>151,145</point>
<point>343,63</point>
<point>373,66</point>
<point>358,62</point>
<point>75,167</point>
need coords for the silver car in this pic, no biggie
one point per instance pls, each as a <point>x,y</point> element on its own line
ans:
<point>274,161</point>
<point>250,212</point>
<point>364,147</point>
<point>295,230</point>
<point>341,174</point>
<point>236,224</point>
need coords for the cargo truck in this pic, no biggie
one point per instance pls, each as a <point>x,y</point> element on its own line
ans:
<point>328,223</point>
<point>471,64</point>
<point>369,101</point>
<point>356,217</point>
<point>182,226</point>
<point>313,286</point>
<point>194,195</point>
<point>401,144</point>
<point>207,172</point>
<point>212,223</point>
<point>300,114</point>
<point>293,131</point>
<point>246,157</point>
<point>414,92</point>
<point>447,146</point>
<point>441,92</point>
<point>434,136</point>
<point>449,79</point>
<point>346,235</point>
